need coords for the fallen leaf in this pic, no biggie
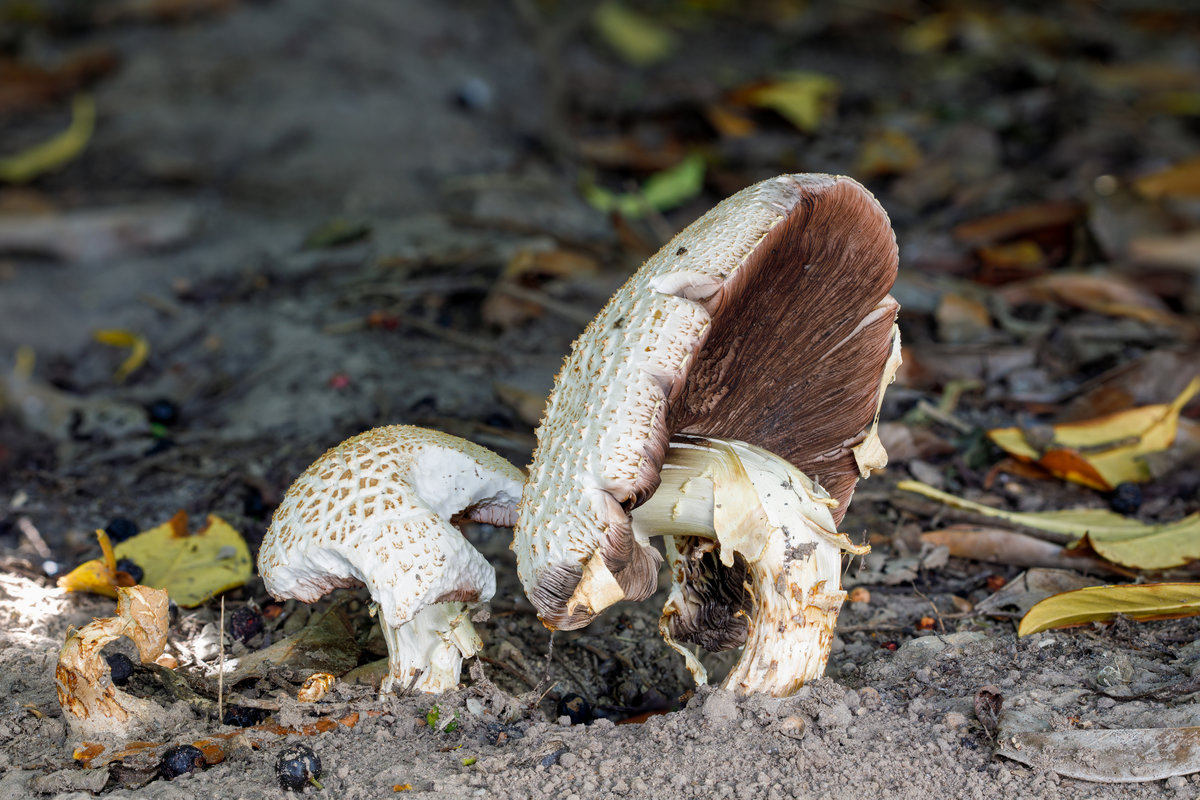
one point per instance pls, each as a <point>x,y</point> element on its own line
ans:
<point>1133,755</point>
<point>1018,222</point>
<point>55,152</point>
<point>662,191</point>
<point>95,235</point>
<point>98,576</point>
<point>24,85</point>
<point>1000,546</point>
<point>728,122</point>
<point>805,99</point>
<point>1105,451</point>
<point>335,233</point>
<point>139,349</point>
<point>92,706</point>
<point>1174,251</point>
<point>326,644</point>
<point>1030,588</point>
<point>1103,294</point>
<point>888,152</point>
<point>1102,603</point>
<point>638,39</point>
<point>191,567</point>
<point>1179,180</point>
<point>1124,541</point>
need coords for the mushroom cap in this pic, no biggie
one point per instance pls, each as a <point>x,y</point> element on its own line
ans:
<point>377,509</point>
<point>766,321</point>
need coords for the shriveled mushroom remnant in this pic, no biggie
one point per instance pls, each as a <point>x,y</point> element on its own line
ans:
<point>766,323</point>
<point>93,707</point>
<point>379,510</point>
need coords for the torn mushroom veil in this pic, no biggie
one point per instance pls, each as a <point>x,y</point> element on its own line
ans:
<point>768,323</point>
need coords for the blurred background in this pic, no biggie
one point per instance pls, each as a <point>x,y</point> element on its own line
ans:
<point>233,232</point>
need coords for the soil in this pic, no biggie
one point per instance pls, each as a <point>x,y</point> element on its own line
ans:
<point>449,139</point>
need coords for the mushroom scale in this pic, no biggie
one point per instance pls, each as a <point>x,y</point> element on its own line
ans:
<point>377,510</point>
<point>766,321</point>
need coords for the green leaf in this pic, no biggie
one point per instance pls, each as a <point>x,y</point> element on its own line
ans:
<point>635,37</point>
<point>1103,603</point>
<point>662,191</point>
<point>1119,539</point>
<point>55,152</point>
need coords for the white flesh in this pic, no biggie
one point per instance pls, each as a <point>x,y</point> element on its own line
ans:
<point>760,507</point>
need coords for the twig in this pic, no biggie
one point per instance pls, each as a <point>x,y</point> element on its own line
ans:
<point>933,412</point>
<point>554,306</point>
<point>221,667</point>
<point>35,538</point>
<point>510,669</point>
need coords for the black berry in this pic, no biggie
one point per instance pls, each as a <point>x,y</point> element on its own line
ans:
<point>130,568</point>
<point>1126,499</point>
<point>163,412</point>
<point>245,623</point>
<point>253,504</point>
<point>576,708</point>
<point>120,529</point>
<point>180,759</point>
<point>121,668</point>
<point>243,716</point>
<point>298,767</point>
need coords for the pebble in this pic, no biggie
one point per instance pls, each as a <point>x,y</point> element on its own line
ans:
<point>955,720</point>
<point>1177,782</point>
<point>568,760</point>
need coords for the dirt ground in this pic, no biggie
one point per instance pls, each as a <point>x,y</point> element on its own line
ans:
<point>421,150</point>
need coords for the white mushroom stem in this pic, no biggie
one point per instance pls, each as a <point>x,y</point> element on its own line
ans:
<point>772,529</point>
<point>426,654</point>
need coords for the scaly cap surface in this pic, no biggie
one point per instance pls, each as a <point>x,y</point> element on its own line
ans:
<point>766,321</point>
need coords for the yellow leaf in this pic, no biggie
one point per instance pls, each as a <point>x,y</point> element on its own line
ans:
<point>635,37</point>
<point>1180,180</point>
<point>1104,451</point>
<point>804,99</point>
<point>53,153</point>
<point>139,349</point>
<point>191,567</point>
<point>98,576</point>
<point>1119,539</point>
<point>1102,603</point>
<point>888,152</point>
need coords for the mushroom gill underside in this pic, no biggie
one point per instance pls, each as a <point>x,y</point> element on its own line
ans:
<point>755,562</point>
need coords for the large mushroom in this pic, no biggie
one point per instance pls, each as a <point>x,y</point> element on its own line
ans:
<point>380,510</point>
<point>763,332</point>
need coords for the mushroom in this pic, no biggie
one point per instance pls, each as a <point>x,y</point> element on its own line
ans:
<point>761,337</point>
<point>380,510</point>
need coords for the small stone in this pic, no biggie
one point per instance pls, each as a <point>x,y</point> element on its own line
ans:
<point>1177,782</point>
<point>568,760</point>
<point>870,697</point>
<point>564,721</point>
<point>794,727</point>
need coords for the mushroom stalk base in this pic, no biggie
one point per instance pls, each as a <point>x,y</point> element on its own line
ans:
<point>426,654</point>
<point>776,578</point>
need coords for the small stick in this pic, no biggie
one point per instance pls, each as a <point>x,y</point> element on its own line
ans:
<point>221,668</point>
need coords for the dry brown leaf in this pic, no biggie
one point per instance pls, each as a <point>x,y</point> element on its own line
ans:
<point>999,546</point>
<point>1104,451</point>
<point>1107,755</point>
<point>1179,180</point>
<point>1018,222</point>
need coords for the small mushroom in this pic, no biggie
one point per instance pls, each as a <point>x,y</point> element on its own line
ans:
<point>765,333</point>
<point>379,510</point>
